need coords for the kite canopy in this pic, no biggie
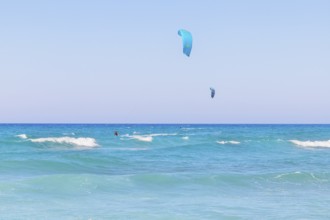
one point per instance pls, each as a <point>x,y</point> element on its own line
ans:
<point>212,92</point>
<point>186,41</point>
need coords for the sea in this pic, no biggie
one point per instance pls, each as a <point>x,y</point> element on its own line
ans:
<point>164,171</point>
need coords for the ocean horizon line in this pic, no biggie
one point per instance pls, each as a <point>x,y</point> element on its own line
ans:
<point>143,123</point>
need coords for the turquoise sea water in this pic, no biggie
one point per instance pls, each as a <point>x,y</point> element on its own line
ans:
<point>165,172</point>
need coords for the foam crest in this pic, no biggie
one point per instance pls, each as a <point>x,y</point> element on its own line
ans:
<point>185,138</point>
<point>311,143</point>
<point>228,142</point>
<point>162,134</point>
<point>148,137</point>
<point>82,141</point>
<point>23,136</point>
<point>142,138</point>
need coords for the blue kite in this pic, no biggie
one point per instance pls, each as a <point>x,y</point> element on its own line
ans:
<point>186,41</point>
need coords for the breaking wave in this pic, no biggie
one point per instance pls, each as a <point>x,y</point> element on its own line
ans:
<point>23,136</point>
<point>142,138</point>
<point>163,134</point>
<point>148,137</point>
<point>228,142</point>
<point>82,141</point>
<point>311,143</point>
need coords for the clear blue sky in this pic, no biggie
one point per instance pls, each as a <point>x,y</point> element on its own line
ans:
<point>122,62</point>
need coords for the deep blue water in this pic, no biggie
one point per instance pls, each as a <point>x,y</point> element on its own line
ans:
<point>164,171</point>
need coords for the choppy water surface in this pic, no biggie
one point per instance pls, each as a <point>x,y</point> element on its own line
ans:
<point>164,172</point>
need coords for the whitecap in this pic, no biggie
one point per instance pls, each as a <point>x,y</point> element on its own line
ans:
<point>142,138</point>
<point>151,135</point>
<point>185,138</point>
<point>23,136</point>
<point>228,142</point>
<point>82,141</point>
<point>311,143</point>
<point>162,134</point>
<point>147,137</point>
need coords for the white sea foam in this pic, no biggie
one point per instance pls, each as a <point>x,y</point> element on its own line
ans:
<point>142,138</point>
<point>147,137</point>
<point>311,143</point>
<point>82,141</point>
<point>228,142</point>
<point>185,138</point>
<point>162,134</point>
<point>151,135</point>
<point>23,136</point>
